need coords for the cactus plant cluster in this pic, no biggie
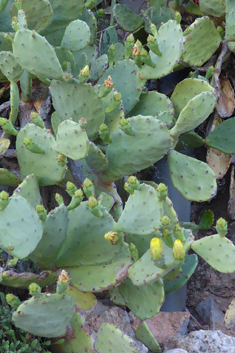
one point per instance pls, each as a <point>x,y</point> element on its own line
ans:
<point>105,126</point>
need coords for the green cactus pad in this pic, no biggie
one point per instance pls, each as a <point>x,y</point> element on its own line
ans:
<point>144,271</point>
<point>144,335</point>
<point>153,103</point>
<point>188,268</point>
<point>72,140</point>
<point>55,121</point>
<point>29,189</point>
<point>112,119</point>
<point>217,251</point>
<point>194,113</point>
<point>192,178</point>
<point>5,18</point>
<point>186,90</point>
<point>4,145</point>
<point>111,339</point>
<point>7,178</point>
<point>135,298</point>
<point>19,234</point>
<point>127,18</point>
<point>23,280</point>
<point>84,57</point>
<point>106,201</point>
<point>158,14</point>
<point>77,339</point>
<point>141,241</point>
<point>88,17</point>
<point>9,66</point>
<point>222,137</point>
<point>97,278</point>
<point>170,53</point>
<point>39,13</point>
<point>65,55</point>
<point>142,212</point>
<point>85,243</point>
<point>129,154</point>
<point>116,297</point>
<point>41,59</point>
<point>46,316</point>
<point>63,14</point>
<point>129,86</point>
<point>98,67</point>
<point>78,101</point>
<point>15,102</point>
<point>201,43</point>
<point>189,140</point>
<point>229,29</point>
<point>76,36</point>
<point>96,159</point>
<point>85,301</point>
<point>45,166</point>
<point>54,235</point>
<point>214,8</point>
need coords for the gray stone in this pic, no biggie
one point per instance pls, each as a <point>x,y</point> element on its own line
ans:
<point>177,350</point>
<point>203,342</point>
<point>210,313</point>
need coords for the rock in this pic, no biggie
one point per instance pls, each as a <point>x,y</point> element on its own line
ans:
<point>207,282</point>
<point>177,350</point>
<point>210,313</point>
<point>165,325</point>
<point>203,342</point>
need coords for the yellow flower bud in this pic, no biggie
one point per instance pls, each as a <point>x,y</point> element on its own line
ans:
<point>156,248</point>
<point>178,250</point>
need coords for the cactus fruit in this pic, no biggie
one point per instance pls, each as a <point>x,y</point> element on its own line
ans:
<point>222,227</point>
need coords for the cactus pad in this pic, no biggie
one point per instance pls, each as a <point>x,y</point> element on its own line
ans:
<point>39,13</point>
<point>46,316</point>
<point>130,86</point>
<point>222,137</point>
<point>72,140</point>
<point>23,280</point>
<point>8,178</point>
<point>153,103</point>
<point>127,18</point>
<point>199,180</point>
<point>188,268</point>
<point>19,234</point>
<point>144,335</point>
<point>97,278</point>
<point>217,251</point>
<point>29,189</point>
<point>112,339</point>
<point>9,66</point>
<point>129,154</point>
<point>41,59</point>
<point>194,113</point>
<point>201,43</point>
<point>96,159</point>
<point>45,166</point>
<point>142,212</point>
<point>54,234</point>
<point>85,243</point>
<point>170,53</point>
<point>186,90</point>
<point>135,298</point>
<point>84,301</point>
<point>76,36</point>
<point>78,101</point>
